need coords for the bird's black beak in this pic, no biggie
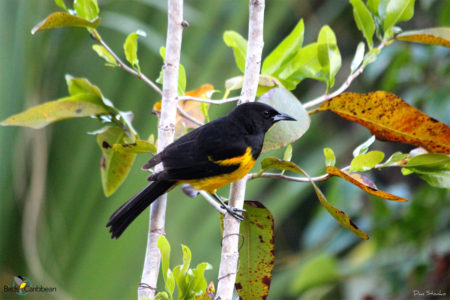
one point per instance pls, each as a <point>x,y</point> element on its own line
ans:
<point>283,116</point>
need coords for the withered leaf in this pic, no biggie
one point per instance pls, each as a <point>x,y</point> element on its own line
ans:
<point>256,256</point>
<point>390,118</point>
<point>433,36</point>
<point>363,183</point>
<point>193,108</point>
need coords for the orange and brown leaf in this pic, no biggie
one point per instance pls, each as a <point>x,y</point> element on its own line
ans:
<point>192,108</point>
<point>201,92</point>
<point>363,183</point>
<point>256,256</point>
<point>390,118</point>
<point>433,36</point>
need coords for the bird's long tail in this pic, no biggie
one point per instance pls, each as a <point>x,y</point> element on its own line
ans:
<point>123,216</point>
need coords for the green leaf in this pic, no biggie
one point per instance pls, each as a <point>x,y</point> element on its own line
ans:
<point>329,55</point>
<point>434,36</point>
<point>69,107</point>
<point>434,168</point>
<point>364,20</point>
<point>358,58</point>
<point>382,5</point>
<point>256,256</point>
<point>285,50</point>
<point>394,159</point>
<point>82,86</point>
<point>330,158</point>
<point>181,282</point>
<point>63,19</point>
<point>371,56</point>
<point>170,283</point>
<point>239,44</point>
<point>161,295</point>
<point>288,153</point>
<point>61,4</point>
<point>164,249</point>
<point>139,146</point>
<point>205,111</point>
<point>87,9</point>
<point>114,166</point>
<point>198,284</point>
<point>305,64</point>
<point>365,162</point>
<point>316,271</point>
<point>439,178</point>
<point>398,11</point>
<point>284,133</point>
<point>181,80</point>
<point>364,147</point>
<point>430,161</point>
<point>103,53</point>
<point>130,48</point>
<point>373,6</point>
<point>275,163</point>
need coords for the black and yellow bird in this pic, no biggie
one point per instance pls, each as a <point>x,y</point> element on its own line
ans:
<point>207,158</point>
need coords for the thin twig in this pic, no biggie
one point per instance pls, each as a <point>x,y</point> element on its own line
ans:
<point>124,66</point>
<point>210,101</point>
<point>166,130</point>
<point>213,202</point>
<point>289,178</point>
<point>188,116</point>
<point>341,89</point>
<point>230,241</point>
<point>315,179</point>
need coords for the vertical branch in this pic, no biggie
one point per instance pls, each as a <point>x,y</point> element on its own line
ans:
<point>254,51</point>
<point>166,130</point>
<point>230,240</point>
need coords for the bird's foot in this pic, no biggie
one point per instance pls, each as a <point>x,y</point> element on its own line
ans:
<point>234,211</point>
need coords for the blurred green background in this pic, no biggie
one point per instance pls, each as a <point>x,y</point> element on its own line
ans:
<point>53,211</point>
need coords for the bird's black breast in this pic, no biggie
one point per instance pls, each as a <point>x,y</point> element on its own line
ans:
<point>195,155</point>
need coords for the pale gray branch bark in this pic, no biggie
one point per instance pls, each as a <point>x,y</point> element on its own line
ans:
<point>166,130</point>
<point>230,240</point>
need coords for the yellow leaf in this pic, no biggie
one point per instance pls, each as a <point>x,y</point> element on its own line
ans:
<point>433,36</point>
<point>390,118</point>
<point>363,183</point>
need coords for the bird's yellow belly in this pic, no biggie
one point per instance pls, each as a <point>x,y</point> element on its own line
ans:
<point>211,184</point>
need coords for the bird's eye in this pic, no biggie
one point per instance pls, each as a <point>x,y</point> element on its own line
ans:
<point>266,114</point>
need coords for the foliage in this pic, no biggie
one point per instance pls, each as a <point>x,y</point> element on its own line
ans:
<point>257,253</point>
<point>287,66</point>
<point>190,283</point>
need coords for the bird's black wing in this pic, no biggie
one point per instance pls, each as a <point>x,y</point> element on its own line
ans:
<point>193,155</point>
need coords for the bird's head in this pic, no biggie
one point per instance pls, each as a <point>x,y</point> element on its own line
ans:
<point>258,117</point>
